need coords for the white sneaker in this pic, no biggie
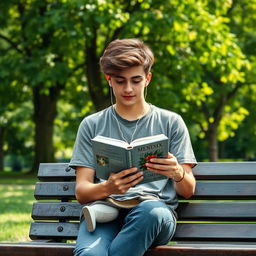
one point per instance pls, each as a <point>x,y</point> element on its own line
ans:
<point>98,213</point>
<point>90,219</point>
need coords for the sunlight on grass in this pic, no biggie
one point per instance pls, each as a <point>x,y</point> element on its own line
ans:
<point>15,227</point>
<point>15,218</point>
<point>15,212</point>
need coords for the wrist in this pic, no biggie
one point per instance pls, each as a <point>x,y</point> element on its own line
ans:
<point>105,189</point>
<point>181,174</point>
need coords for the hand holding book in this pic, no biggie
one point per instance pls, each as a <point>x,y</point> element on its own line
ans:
<point>119,183</point>
<point>168,167</point>
<point>113,156</point>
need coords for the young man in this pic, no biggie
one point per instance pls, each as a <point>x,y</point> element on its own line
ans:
<point>151,220</point>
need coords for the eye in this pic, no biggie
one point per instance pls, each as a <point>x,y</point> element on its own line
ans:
<point>119,81</point>
<point>136,81</point>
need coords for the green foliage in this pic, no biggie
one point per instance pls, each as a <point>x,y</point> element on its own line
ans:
<point>204,51</point>
<point>200,65</point>
<point>242,17</point>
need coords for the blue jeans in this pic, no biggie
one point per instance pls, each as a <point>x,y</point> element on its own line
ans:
<point>148,224</point>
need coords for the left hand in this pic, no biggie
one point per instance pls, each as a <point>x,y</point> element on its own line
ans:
<point>168,167</point>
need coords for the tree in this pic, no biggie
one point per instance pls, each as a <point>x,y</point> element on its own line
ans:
<point>242,17</point>
<point>33,30</point>
<point>199,65</point>
<point>205,68</point>
<point>200,55</point>
<point>12,98</point>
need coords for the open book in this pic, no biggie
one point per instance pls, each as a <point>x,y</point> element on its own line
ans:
<point>112,155</point>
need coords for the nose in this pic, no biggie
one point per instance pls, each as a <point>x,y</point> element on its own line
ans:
<point>128,87</point>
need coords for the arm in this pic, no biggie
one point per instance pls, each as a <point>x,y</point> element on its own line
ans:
<point>186,187</point>
<point>169,167</point>
<point>87,191</point>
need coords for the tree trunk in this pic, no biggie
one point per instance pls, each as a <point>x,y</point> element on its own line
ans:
<point>2,132</point>
<point>96,89</point>
<point>211,136</point>
<point>45,111</point>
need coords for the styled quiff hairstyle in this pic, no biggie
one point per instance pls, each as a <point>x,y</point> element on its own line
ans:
<point>121,54</point>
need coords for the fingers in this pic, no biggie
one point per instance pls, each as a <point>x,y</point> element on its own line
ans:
<point>166,166</point>
<point>162,163</point>
<point>126,172</point>
<point>132,177</point>
<point>122,181</point>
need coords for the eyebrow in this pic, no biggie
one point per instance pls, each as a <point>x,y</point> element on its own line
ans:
<point>133,77</point>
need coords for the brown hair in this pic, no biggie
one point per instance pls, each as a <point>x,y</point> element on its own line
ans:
<point>125,53</point>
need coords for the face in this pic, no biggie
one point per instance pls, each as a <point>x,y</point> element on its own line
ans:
<point>128,86</point>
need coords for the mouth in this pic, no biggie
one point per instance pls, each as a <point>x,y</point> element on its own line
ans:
<point>128,97</point>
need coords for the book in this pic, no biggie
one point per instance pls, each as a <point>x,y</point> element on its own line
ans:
<point>113,155</point>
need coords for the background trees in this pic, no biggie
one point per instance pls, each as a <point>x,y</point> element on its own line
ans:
<point>49,60</point>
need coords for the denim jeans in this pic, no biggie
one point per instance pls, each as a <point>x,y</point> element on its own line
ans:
<point>148,224</point>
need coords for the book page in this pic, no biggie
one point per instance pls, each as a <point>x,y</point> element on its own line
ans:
<point>109,159</point>
<point>111,141</point>
<point>149,139</point>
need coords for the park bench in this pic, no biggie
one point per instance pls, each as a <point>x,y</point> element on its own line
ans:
<point>220,219</point>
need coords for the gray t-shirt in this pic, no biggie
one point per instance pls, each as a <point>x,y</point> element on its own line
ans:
<point>156,121</point>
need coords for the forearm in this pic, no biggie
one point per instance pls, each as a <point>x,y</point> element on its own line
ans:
<point>185,186</point>
<point>88,192</point>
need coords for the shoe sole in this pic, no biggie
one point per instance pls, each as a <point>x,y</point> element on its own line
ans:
<point>88,219</point>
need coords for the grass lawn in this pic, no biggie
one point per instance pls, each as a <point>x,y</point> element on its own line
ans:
<point>16,197</point>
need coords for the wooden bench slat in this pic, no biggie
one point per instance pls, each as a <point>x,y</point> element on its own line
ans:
<point>37,249</point>
<point>226,170</point>
<point>54,230</point>
<point>232,211</point>
<point>55,190</point>
<point>187,249</point>
<point>56,211</point>
<point>216,232</point>
<point>235,211</point>
<point>204,190</point>
<point>225,190</point>
<point>204,170</point>
<point>57,249</point>
<point>184,232</point>
<point>56,172</point>
<point>203,249</point>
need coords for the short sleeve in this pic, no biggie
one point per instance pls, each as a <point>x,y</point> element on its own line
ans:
<point>82,152</point>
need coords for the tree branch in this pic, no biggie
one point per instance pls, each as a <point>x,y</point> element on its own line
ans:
<point>205,110</point>
<point>10,42</point>
<point>217,114</point>
<point>232,93</point>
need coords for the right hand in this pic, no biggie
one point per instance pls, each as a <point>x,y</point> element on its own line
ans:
<point>119,183</point>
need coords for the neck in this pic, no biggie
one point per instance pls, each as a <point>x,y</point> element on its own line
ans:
<point>133,112</point>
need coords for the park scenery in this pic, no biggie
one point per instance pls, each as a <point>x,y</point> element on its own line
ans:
<point>205,70</point>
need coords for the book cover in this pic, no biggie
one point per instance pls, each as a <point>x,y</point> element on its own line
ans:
<point>112,155</point>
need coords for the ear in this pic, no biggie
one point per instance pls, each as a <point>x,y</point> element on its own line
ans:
<point>148,77</point>
<point>108,79</point>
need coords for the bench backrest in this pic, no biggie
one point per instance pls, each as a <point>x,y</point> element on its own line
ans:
<point>222,209</point>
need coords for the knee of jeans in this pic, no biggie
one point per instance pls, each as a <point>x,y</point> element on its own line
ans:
<point>155,212</point>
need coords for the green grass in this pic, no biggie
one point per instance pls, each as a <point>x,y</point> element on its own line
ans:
<point>16,199</point>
